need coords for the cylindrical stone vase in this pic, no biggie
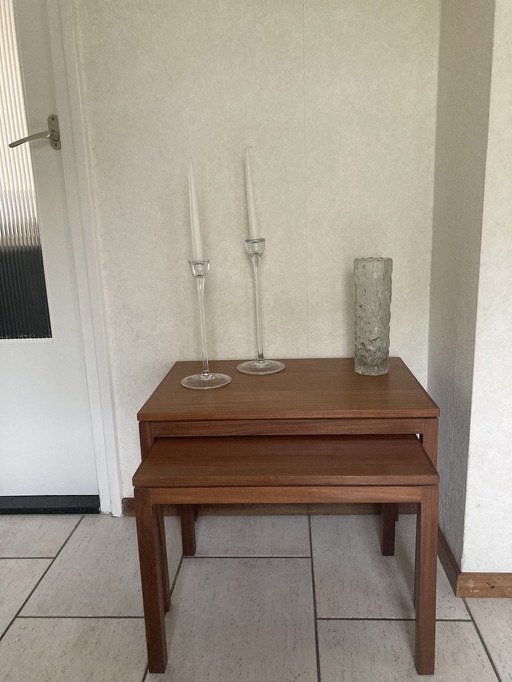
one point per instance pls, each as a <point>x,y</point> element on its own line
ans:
<point>372,300</point>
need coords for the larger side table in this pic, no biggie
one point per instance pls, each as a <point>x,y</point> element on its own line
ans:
<point>317,433</point>
<point>321,396</point>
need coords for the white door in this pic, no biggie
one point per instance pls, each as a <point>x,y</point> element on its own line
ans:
<point>46,435</point>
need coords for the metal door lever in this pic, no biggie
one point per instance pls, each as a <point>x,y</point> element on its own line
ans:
<point>53,134</point>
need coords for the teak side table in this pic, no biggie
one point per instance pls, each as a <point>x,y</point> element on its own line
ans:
<point>311,397</point>
<point>336,426</point>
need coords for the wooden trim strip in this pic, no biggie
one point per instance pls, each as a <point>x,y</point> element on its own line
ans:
<point>472,585</point>
<point>484,585</point>
<point>448,561</point>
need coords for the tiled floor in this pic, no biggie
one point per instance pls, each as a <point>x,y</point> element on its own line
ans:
<point>267,599</point>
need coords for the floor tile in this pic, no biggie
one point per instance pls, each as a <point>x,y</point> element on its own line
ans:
<point>253,536</point>
<point>354,580</point>
<point>77,650</point>
<point>383,651</point>
<point>241,619</point>
<point>97,573</point>
<point>493,618</point>
<point>18,577</point>
<point>34,535</point>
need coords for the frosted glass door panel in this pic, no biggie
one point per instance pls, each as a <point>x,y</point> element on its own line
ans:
<point>23,300</point>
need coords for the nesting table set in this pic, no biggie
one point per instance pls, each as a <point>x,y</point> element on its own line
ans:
<point>314,433</point>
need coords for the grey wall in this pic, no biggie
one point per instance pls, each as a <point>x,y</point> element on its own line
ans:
<point>487,537</point>
<point>465,58</point>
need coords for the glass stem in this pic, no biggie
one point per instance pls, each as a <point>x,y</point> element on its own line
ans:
<point>257,294</point>
<point>200,297</point>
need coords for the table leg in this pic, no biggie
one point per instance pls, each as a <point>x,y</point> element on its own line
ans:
<point>188,529</point>
<point>425,581</point>
<point>148,536</point>
<point>164,568</point>
<point>389,515</point>
<point>429,438</point>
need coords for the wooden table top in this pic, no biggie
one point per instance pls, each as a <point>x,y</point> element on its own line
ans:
<point>322,388</point>
<point>286,461</point>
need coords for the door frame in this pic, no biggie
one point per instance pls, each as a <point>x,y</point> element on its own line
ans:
<point>83,229</point>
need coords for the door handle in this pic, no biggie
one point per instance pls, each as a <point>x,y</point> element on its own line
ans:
<point>53,134</point>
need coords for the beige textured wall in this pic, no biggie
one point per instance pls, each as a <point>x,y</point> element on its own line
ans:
<point>487,538</point>
<point>465,58</point>
<point>338,99</point>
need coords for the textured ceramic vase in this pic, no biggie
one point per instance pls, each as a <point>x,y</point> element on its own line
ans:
<point>372,299</point>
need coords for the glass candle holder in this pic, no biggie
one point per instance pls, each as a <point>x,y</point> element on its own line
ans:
<point>255,249</point>
<point>372,299</point>
<point>205,379</point>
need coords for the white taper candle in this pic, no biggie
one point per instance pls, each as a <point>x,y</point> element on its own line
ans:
<point>197,244</point>
<point>251,211</point>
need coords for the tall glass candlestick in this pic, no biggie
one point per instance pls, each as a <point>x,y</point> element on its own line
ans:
<point>206,379</point>
<point>255,249</point>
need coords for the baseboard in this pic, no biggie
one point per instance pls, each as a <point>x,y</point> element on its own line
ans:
<point>474,585</point>
<point>485,585</point>
<point>50,504</point>
<point>448,561</point>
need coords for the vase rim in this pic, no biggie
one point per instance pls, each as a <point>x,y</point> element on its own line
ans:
<point>373,258</point>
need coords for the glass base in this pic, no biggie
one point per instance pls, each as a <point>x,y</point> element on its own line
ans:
<point>203,381</point>
<point>261,367</point>
<point>371,370</point>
